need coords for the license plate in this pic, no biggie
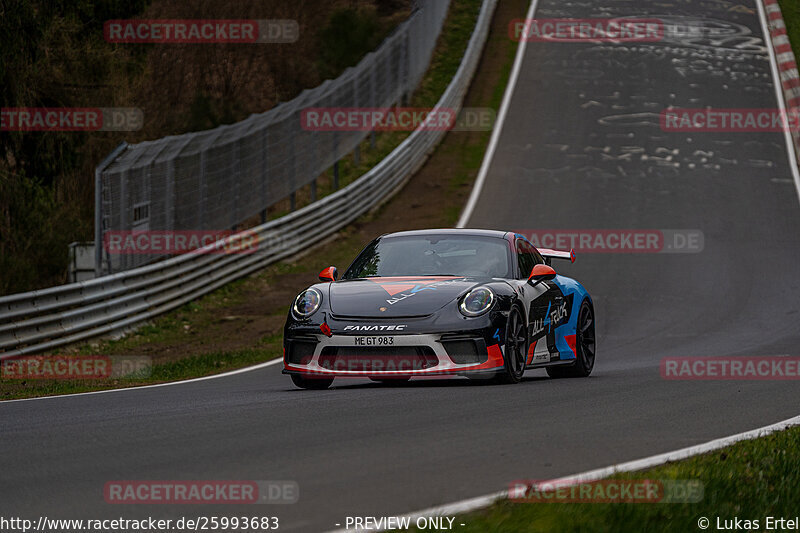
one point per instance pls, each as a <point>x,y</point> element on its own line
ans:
<point>378,340</point>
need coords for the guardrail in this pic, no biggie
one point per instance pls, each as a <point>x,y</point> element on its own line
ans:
<point>42,320</point>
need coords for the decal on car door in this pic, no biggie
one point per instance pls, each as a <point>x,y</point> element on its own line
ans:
<point>547,312</point>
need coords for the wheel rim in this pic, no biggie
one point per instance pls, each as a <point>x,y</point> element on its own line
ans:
<point>587,341</point>
<point>515,344</point>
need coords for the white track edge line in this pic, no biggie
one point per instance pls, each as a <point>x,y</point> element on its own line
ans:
<point>143,387</point>
<point>480,502</point>
<point>779,93</point>
<point>498,126</point>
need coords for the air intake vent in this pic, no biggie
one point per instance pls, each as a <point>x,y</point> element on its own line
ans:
<point>466,351</point>
<point>300,352</point>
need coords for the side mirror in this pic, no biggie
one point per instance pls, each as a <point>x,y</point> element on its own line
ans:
<point>329,274</point>
<point>541,273</point>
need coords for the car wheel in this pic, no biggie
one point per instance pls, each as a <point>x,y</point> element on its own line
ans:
<point>516,348</point>
<point>584,347</point>
<point>311,383</point>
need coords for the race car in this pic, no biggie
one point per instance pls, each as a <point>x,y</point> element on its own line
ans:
<point>446,302</point>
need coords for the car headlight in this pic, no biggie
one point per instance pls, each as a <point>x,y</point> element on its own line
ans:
<point>306,303</point>
<point>476,302</point>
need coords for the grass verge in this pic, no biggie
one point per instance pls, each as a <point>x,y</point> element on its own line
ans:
<point>750,480</point>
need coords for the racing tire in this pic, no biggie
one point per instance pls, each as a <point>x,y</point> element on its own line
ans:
<point>311,383</point>
<point>584,346</point>
<point>516,349</point>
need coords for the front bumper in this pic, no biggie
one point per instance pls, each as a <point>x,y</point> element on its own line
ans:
<point>408,355</point>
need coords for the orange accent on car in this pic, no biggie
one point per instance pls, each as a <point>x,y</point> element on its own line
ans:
<point>329,274</point>
<point>542,271</point>
<point>326,329</point>
<point>495,357</point>
<point>530,351</point>
<point>571,342</point>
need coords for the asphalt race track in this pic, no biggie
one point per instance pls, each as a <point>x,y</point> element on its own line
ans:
<point>581,148</point>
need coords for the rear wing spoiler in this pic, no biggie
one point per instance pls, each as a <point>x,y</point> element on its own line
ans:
<point>549,255</point>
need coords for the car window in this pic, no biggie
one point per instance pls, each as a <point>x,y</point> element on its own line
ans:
<point>433,255</point>
<point>527,258</point>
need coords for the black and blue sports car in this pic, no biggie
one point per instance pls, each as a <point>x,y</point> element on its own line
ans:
<point>476,303</point>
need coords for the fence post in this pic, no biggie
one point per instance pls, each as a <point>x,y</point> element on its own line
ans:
<point>98,222</point>
<point>123,213</point>
<point>98,207</point>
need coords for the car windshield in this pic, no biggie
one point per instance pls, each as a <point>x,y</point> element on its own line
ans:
<point>433,255</point>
